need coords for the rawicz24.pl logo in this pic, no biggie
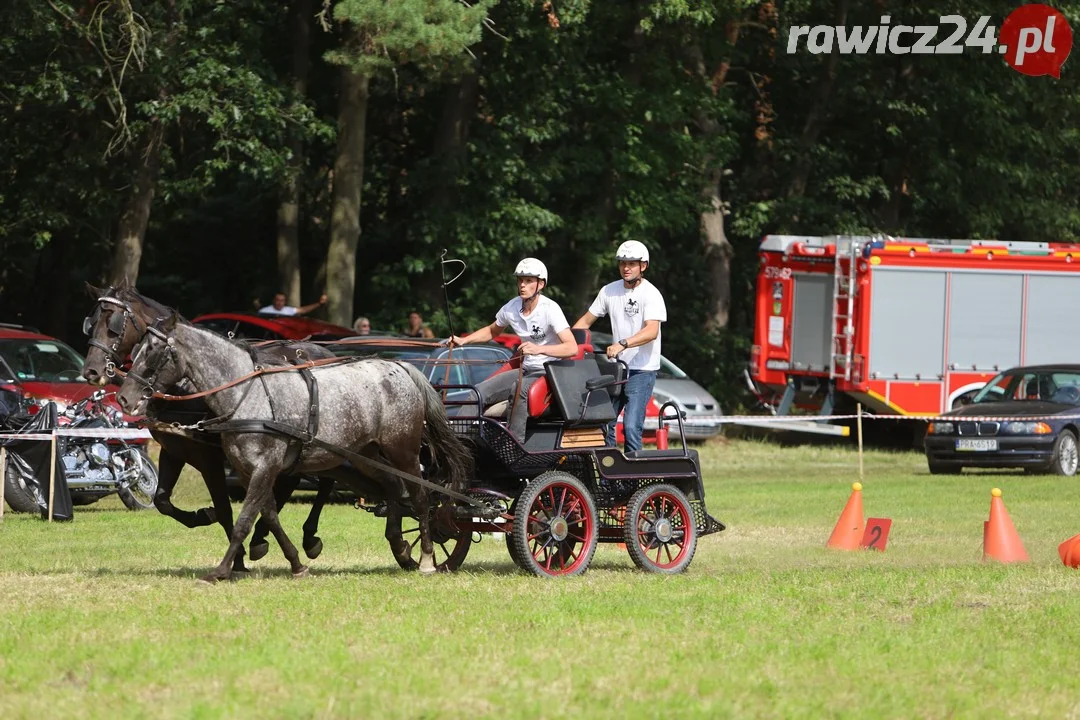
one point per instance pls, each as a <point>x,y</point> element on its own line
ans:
<point>1035,39</point>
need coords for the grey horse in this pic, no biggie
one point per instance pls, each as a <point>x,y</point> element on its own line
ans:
<point>117,322</point>
<point>380,409</point>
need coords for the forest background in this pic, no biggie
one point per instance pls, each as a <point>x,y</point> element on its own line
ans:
<point>216,152</point>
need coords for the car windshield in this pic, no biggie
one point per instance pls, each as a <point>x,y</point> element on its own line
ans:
<point>1057,386</point>
<point>41,361</point>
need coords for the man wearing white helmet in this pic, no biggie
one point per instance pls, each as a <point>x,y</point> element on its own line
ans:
<point>636,308</point>
<point>545,335</point>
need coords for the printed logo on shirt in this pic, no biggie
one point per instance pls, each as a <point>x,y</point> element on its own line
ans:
<point>537,334</point>
<point>632,307</point>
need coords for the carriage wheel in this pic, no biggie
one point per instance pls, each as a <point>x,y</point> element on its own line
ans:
<point>555,526</point>
<point>659,531</point>
<point>450,547</point>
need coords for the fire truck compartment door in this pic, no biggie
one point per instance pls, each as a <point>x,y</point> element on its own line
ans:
<point>811,325</point>
<point>1052,303</point>
<point>985,318</point>
<point>907,324</point>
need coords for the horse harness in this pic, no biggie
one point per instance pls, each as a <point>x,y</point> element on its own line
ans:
<point>117,326</point>
<point>298,439</point>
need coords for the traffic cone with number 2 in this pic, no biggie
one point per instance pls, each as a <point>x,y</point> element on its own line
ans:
<point>847,535</point>
<point>1001,542</point>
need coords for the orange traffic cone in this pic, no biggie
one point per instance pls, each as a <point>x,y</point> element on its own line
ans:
<point>847,535</point>
<point>1000,539</point>
<point>1070,552</point>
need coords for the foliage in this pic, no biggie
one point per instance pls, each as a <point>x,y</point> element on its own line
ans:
<point>590,123</point>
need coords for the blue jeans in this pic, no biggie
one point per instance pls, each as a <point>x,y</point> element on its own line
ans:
<point>632,402</point>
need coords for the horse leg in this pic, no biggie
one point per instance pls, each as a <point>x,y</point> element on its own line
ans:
<point>169,467</point>
<point>259,494</point>
<point>313,546</point>
<point>421,500</point>
<point>171,461</point>
<point>270,515</point>
<point>209,460</point>
<point>283,490</point>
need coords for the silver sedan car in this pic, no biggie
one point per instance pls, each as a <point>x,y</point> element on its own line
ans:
<point>702,415</point>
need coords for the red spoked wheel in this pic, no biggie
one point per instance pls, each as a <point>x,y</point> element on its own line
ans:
<point>659,530</point>
<point>555,526</point>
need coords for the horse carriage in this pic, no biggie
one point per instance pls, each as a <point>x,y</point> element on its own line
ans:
<point>563,490</point>
<point>443,471</point>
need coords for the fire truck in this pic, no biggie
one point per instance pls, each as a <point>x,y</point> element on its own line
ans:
<point>905,326</point>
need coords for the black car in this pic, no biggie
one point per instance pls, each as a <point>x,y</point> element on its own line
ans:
<point>466,365</point>
<point>1045,402</point>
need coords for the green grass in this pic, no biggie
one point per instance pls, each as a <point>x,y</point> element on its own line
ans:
<point>103,617</point>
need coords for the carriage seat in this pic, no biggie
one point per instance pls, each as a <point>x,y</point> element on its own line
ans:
<point>569,381</point>
<point>539,402</point>
<point>539,398</point>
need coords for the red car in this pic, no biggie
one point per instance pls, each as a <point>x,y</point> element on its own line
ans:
<point>252,326</point>
<point>41,367</point>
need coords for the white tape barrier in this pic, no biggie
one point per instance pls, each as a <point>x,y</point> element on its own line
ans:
<point>780,419</point>
<point>109,433</point>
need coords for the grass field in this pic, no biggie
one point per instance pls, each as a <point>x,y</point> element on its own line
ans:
<point>103,617</point>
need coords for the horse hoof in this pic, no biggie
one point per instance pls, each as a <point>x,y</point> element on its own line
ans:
<point>210,579</point>
<point>314,550</point>
<point>303,572</point>
<point>209,515</point>
<point>258,552</point>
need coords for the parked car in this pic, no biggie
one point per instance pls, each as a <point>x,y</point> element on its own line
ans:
<point>42,367</point>
<point>253,326</point>
<point>466,365</point>
<point>702,415</point>
<point>1048,444</point>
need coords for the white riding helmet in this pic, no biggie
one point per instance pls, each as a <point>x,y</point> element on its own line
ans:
<point>632,250</point>
<point>531,267</point>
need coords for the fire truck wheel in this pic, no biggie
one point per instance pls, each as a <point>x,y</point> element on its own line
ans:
<point>944,468</point>
<point>1065,454</point>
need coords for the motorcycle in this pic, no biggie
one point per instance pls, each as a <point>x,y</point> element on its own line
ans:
<point>93,467</point>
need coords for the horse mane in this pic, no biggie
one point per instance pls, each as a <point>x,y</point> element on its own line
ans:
<point>130,294</point>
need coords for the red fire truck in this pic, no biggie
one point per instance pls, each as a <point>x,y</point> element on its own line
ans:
<point>906,326</point>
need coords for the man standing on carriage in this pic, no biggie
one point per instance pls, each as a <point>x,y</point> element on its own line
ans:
<point>636,308</point>
<point>545,335</point>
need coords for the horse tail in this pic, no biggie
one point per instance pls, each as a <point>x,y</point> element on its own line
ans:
<point>451,460</point>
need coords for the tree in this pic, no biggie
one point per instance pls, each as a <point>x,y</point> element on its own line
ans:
<point>379,36</point>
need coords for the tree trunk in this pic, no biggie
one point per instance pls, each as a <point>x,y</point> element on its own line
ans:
<point>131,233</point>
<point>348,185</point>
<point>717,251</point>
<point>819,109</point>
<point>288,215</point>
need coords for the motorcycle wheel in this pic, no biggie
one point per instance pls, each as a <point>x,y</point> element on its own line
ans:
<point>140,496</point>
<point>20,495</point>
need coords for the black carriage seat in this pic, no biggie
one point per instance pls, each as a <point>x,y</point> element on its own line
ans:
<point>539,400</point>
<point>610,367</point>
<point>568,380</point>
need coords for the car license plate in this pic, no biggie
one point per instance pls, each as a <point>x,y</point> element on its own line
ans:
<point>977,444</point>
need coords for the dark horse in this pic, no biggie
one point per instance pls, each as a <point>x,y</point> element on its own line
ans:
<point>117,323</point>
<point>383,410</point>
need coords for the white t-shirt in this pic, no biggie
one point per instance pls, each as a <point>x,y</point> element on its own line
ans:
<point>542,326</point>
<point>629,309</point>
<point>271,310</point>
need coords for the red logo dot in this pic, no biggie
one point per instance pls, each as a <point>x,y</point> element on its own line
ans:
<point>1035,40</point>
